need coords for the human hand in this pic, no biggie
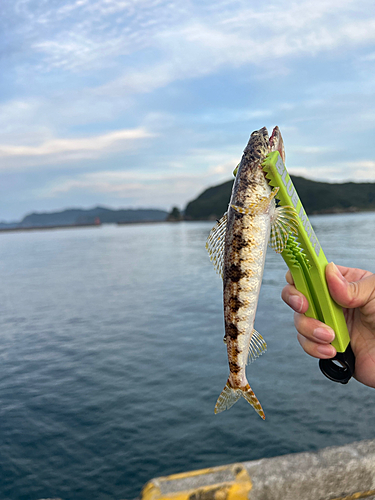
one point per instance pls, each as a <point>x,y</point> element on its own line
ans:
<point>354,290</point>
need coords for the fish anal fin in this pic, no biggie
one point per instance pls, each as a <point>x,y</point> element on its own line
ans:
<point>284,221</point>
<point>231,395</point>
<point>257,345</point>
<point>258,207</point>
<point>215,244</point>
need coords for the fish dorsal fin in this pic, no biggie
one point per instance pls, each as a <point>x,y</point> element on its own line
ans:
<point>284,221</point>
<point>257,345</point>
<point>215,244</point>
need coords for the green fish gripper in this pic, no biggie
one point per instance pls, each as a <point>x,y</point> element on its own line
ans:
<point>305,258</point>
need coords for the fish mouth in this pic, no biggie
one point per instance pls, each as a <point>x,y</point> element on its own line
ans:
<point>276,142</point>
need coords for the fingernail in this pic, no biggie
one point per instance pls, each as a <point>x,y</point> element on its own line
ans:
<point>295,303</point>
<point>324,334</point>
<point>326,350</point>
<point>337,272</point>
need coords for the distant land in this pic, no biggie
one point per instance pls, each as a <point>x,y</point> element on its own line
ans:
<point>81,217</point>
<point>317,198</point>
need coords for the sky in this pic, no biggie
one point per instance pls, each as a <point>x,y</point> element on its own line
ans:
<point>146,103</point>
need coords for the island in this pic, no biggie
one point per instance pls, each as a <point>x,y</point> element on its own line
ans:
<point>317,198</point>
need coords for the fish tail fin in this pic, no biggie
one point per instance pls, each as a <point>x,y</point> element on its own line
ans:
<point>229,396</point>
<point>250,397</point>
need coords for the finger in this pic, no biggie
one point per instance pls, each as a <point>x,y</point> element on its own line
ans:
<point>349,294</point>
<point>295,299</point>
<point>352,273</point>
<point>313,330</point>
<point>289,278</point>
<point>321,351</point>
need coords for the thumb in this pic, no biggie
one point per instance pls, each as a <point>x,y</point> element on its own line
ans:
<point>349,294</point>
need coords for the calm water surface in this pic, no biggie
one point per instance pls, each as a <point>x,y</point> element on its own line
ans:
<point>112,360</point>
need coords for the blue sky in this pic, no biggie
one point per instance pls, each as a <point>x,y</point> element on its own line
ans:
<point>145,103</point>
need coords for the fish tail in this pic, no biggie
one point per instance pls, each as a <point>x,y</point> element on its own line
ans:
<point>230,395</point>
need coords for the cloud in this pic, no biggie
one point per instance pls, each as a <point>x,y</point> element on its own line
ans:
<point>223,116</point>
<point>136,189</point>
<point>166,188</point>
<point>353,171</point>
<point>363,170</point>
<point>83,67</point>
<point>198,47</point>
<point>368,57</point>
<point>173,183</point>
<point>185,41</point>
<point>57,149</point>
<point>86,35</point>
<point>311,150</point>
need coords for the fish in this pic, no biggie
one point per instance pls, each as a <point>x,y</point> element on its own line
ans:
<point>237,246</point>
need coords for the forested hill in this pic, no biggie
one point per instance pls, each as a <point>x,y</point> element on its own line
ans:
<point>82,216</point>
<point>317,198</point>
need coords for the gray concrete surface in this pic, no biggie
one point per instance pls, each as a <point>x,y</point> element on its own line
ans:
<point>335,472</point>
<point>345,473</point>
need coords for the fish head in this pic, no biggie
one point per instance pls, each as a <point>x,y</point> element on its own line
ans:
<point>259,146</point>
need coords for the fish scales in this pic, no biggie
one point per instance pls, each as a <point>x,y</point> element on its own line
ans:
<point>244,254</point>
<point>237,247</point>
<point>243,269</point>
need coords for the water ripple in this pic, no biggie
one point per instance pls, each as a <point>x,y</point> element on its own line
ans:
<point>112,360</point>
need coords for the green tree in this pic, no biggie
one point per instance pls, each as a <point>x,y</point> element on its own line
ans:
<point>174,215</point>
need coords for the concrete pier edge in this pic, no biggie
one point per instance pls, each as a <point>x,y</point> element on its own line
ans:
<point>334,473</point>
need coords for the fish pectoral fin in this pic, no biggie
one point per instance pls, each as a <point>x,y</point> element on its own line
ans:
<point>231,395</point>
<point>284,222</point>
<point>215,244</point>
<point>258,207</point>
<point>257,345</point>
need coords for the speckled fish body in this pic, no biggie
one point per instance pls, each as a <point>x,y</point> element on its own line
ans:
<point>244,234</point>
<point>246,243</point>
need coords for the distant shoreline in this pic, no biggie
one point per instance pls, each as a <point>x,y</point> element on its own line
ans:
<point>77,226</point>
<point>43,228</point>
<point>351,210</point>
<point>127,222</point>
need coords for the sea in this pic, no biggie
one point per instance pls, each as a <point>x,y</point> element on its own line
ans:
<point>112,358</point>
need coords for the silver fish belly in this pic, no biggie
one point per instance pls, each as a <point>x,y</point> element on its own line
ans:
<point>237,246</point>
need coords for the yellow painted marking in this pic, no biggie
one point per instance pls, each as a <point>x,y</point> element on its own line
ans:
<point>355,496</point>
<point>236,489</point>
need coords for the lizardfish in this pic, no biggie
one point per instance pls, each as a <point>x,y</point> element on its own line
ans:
<point>237,246</point>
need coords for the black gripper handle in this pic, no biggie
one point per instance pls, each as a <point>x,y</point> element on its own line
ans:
<point>340,368</point>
